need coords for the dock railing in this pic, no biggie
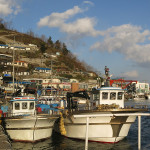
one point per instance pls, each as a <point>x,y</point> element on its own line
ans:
<point>113,115</point>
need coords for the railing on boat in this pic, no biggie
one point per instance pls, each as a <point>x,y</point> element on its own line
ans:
<point>48,112</point>
<point>113,115</point>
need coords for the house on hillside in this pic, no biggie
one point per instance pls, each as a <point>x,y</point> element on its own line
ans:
<point>33,46</point>
<point>21,64</point>
<point>42,70</point>
<point>51,82</point>
<point>22,73</point>
<point>62,70</point>
<point>35,80</point>
<point>3,46</point>
<point>4,56</point>
<point>5,59</point>
<point>74,81</point>
<point>91,74</point>
<point>19,48</point>
<point>18,73</point>
<point>57,83</point>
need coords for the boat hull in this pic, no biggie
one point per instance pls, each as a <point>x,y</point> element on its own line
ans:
<point>29,129</point>
<point>101,129</point>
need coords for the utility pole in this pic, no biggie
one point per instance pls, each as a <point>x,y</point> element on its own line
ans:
<point>13,68</point>
<point>51,77</point>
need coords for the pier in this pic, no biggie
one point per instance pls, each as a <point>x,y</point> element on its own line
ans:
<point>5,143</point>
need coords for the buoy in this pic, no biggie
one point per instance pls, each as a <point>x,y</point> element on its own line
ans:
<point>1,114</point>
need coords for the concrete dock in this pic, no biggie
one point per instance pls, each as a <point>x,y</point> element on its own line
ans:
<point>5,143</point>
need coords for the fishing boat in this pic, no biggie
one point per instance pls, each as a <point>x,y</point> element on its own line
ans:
<point>105,101</point>
<point>24,123</point>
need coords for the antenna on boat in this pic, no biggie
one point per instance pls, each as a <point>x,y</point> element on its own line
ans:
<point>107,76</point>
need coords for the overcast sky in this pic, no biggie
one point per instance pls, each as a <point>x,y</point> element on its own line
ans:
<point>112,33</point>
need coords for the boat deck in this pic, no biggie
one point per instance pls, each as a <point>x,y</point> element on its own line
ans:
<point>138,108</point>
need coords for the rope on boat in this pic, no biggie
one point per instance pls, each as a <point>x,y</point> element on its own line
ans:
<point>61,125</point>
<point>106,106</point>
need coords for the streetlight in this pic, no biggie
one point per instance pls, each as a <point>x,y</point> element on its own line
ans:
<point>13,71</point>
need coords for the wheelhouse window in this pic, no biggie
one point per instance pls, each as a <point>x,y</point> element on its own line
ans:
<point>104,95</point>
<point>96,96</point>
<point>31,105</point>
<point>12,106</point>
<point>120,95</point>
<point>17,106</point>
<point>24,105</point>
<point>112,95</point>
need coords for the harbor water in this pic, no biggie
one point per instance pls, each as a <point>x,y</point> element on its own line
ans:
<point>58,142</point>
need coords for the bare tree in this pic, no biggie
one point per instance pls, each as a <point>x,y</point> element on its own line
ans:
<point>30,32</point>
<point>43,38</point>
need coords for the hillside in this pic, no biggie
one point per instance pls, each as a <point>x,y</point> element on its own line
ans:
<point>43,53</point>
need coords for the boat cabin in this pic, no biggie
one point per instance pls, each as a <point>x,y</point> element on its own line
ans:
<point>108,96</point>
<point>23,105</point>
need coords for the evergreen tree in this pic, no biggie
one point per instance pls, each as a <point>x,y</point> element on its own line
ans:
<point>58,44</point>
<point>65,51</point>
<point>42,48</point>
<point>50,42</point>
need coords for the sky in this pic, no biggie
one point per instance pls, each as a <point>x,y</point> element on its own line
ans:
<point>112,33</point>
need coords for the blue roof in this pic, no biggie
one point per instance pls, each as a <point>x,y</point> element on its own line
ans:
<point>40,68</point>
<point>7,75</point>
<point>24,82</point>
<point>3,45</point>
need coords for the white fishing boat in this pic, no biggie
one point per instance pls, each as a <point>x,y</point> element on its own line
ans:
<point>24,124</point>
<point>106,101</point>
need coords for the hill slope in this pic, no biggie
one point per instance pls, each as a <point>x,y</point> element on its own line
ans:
<point>43,53</point>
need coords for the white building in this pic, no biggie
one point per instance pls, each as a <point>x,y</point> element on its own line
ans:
<point>142,87</point>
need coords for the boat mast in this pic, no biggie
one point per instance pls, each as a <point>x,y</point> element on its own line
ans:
<point>107,76</point>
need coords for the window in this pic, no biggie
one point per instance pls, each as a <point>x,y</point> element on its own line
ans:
<point>24,105</point>
<point>17,106</point>
<point>104,95</point>
<point>96,96</point>
<point>12,106</point>
<point>120,94</point>
<point>31,105</point>
<point>112,96</point>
